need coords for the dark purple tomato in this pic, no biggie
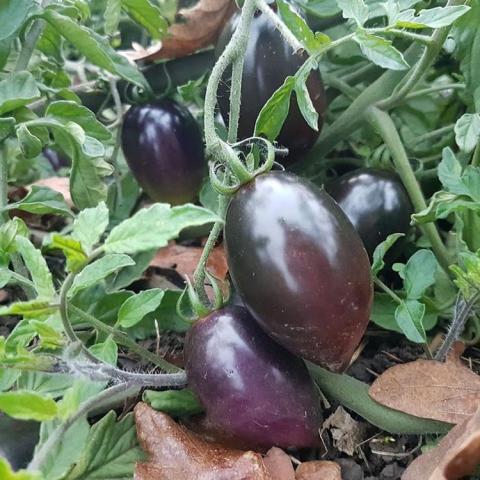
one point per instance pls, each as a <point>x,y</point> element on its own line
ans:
<point>57,160</point>
<point>376,203</point>
<point>252,388</point>
<point>299,267</point>
<point>163,147</point>
<point>268,61</point>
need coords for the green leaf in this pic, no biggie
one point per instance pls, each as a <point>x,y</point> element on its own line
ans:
<point>42,201</point>
<point>409,317</point>
<point>355,9</point>
<point>437,17</point>
<point>30,145</point>
<point>67,111</point>
<point>90,225</point>
<point>94,48</point>
<point>12,15</point>
<point>98,270</point>
<point>419,273</point>
<point>148,15</point>
<point>16,90</point>
<point>73,251</point>
<point>50,338</point>
<point>38,268</point>
<point>273,114</point>
<point>111,16</point>
<point>137,306</point>
<point>111,451</point>
<point>467,131</point>
<point>380,51</point>
<point>6,472</point>
<point>6,127</point>
<point>176,403</point>
<point>27,405</point>
<point>381,249</point>
<point>299,27</point>
<point>106,351</point>
<point>151,228</point>
<point>32,308</point>
<point>450,173</point>
<point>302,94</point>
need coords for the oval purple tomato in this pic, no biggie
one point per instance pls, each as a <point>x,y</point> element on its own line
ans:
<point>299,267</point>
<point>163,147</point>
<point>252,389</point>
<point>376,203</point>
<point>268,61</point>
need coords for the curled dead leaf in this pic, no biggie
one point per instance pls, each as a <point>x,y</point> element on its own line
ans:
<point>319,470</point>
<point>200,26</point>
<point>455,457</point>
<point>448,392</point>
<point>185,259</point>
<point>175,453</point>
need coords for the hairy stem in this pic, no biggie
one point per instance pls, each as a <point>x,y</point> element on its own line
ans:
<point>435,88</point>
<point>3,184</point>
<point>433,134</point>
<point>385,127</point>
<point>123,339</point>
<point>199,274</point>
<point>29,45</point>
<point>57,435</point>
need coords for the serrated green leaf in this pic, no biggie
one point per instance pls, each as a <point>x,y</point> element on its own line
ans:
<point>26,405</point>
<point>6,127</point>
<point>16,90</point>
<point>177,403</point>
<point>273,114</point>
<point>50,338</point>
<point>355,9</point>
<point>73,251</point>
<point>380,51</point>
<point>30,145</point>
<point>302,95</point>
<point>95,49</point>
<point>67,111</point>
<point>450,173</point>
<point>6,472</point>
<point>467,131</point>
<point>90,225</point>
<point>29,309</point>
<point>42,201</point>
<point>98,270</point>
<point>409,317</point>
<point>111,16</point>
<point>38,268</point>
<point>139,305</point>
<point>151,228</point>
<point>380,251</point>
<point>111,450</point>
<point>437,17</point>
<point>148,15</point>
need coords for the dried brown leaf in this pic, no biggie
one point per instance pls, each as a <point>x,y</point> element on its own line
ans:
<point>319,470</point>
<point>455,457</point>
<point>447,392</point>
<point>185,259</point>
<point>60,185</point>
<point>200,26</point>
<point>346,432</point>
<point>175,453</point>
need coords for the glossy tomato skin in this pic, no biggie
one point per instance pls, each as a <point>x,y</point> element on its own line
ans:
<point>376,203</point>
<point>252,388</point>
<point>299,267</point>
<point>163,147</point>
<point>268,61</point>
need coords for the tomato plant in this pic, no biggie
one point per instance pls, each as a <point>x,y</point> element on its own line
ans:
<point>109,297</point>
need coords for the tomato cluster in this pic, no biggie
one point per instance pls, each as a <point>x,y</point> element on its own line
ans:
<point>298,256</point>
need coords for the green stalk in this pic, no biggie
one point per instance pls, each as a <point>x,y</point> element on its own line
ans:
<point>3,184</point>
<point>383,124</point>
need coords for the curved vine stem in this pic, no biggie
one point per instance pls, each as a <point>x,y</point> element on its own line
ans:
<point>383,124</point>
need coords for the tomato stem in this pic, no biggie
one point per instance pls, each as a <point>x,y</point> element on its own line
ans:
<point>383,124</point>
